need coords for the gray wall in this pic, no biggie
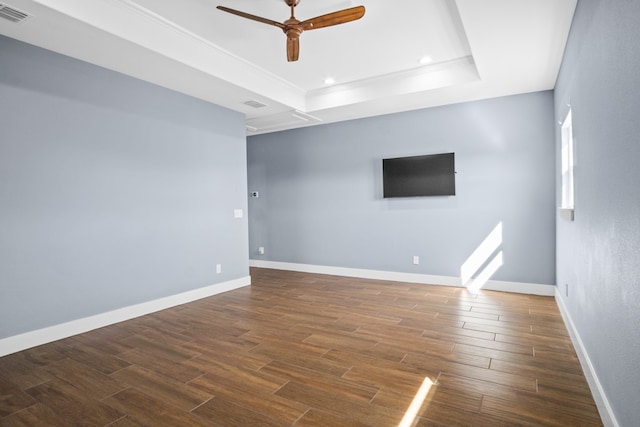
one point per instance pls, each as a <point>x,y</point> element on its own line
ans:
<point>598,255</point>
<point>321,191</point>
<point>113,191</point>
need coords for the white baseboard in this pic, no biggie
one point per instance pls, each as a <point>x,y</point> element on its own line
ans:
<point>492,285</point>
<point>53,333</point>
<point>604,408</point>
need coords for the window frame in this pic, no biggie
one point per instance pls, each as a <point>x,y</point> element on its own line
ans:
<point>567,167</point>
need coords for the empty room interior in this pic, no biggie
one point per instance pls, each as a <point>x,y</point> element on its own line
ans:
<point>425,213</point>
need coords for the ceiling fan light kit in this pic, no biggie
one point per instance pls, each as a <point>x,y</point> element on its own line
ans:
<point>293,28</point>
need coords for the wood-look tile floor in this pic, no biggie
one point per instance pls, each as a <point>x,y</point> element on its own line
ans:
<point>298,349</point>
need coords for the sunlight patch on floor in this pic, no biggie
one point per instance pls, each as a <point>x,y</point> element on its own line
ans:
<point>418,400</point>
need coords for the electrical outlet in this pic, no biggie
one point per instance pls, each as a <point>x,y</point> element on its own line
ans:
<point>416,260</point>
<point>261,250</point>
<point>218,268</point>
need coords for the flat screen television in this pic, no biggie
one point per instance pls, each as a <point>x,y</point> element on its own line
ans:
<point>430,175</point>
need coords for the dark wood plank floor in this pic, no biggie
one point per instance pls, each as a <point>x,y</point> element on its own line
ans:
<point>311,350</point>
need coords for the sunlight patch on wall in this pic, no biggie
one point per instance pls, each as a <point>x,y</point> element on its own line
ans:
<point>478,264</point>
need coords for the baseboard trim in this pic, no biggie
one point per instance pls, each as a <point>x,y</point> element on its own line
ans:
<point>31,339</point>
<point>492,285</point>
<point>599,396</point>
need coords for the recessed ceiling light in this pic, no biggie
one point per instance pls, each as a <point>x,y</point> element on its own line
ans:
<point>329,81</point>
<point>425,60</point>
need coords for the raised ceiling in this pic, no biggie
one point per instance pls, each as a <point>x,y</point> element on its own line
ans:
<point>477,49</point>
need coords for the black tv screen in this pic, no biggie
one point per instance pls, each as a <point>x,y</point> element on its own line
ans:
<point>430,175</point>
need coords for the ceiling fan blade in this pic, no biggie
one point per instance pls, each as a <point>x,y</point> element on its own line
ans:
<point>334,18</point>
<point>293,49</point>
<point>252,17</point>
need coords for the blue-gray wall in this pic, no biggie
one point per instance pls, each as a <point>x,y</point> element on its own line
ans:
<point>321,191</point>
<point>598,254</point>
<point>113,191</point>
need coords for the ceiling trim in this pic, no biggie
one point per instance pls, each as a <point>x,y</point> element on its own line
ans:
<point>419,79</point>
<point>156,33</point>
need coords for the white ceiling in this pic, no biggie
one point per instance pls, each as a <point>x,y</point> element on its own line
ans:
<point>479,49</point>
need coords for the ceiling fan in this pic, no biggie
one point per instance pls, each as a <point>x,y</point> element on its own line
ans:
<point>293,28</point>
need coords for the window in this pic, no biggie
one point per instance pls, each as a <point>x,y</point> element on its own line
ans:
<point>566,206</point>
